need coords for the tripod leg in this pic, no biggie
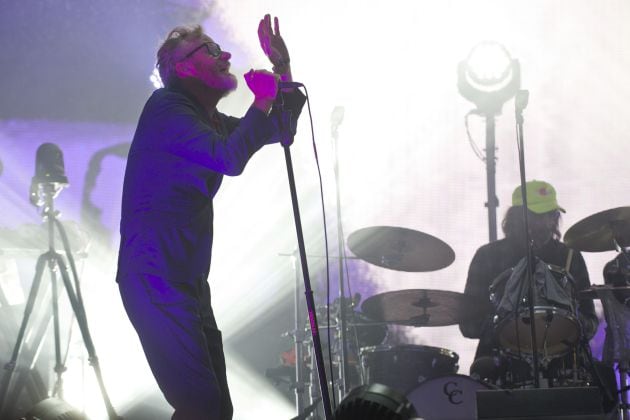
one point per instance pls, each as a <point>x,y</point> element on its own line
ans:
<point>28,309</point>
<point>79,311</point>
<point>59,366</point>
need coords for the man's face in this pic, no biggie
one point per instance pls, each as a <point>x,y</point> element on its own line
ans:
<point>206,62</point>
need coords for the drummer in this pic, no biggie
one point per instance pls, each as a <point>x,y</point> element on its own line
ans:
<point>496,257</point>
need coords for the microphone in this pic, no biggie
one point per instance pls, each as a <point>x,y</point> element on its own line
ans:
<point>289,85</point>
<point>335,119</point>
<point>521,100</point>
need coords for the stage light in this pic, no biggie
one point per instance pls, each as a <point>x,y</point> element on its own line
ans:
<point>54,409</point>
<point>155,79</point>
<point>489,77</point>
<point>375,402</point>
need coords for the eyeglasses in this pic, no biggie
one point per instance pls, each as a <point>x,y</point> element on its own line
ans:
<point>213,49</point>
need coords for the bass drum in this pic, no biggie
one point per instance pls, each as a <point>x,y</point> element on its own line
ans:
<point>404,367</point>
<point>447,397</point>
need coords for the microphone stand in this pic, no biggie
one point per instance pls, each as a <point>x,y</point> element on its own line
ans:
<point>343,384</point>
<point>287,140</point>
<point>298,337</point>
<point>521,100</point>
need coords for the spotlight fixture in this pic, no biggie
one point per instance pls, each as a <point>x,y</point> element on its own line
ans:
<point>54,409</point>
<point>375,402</point>
<point>155,79</point>
<point>489,77</point>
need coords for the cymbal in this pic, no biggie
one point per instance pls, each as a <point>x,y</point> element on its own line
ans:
<point>400,249</point>
<point>422,307</point>
<point>591,293</point>
<point>599,231</point>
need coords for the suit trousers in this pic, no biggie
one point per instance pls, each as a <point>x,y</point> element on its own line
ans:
<point>181,341</point>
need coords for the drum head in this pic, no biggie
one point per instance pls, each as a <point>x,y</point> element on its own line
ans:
<point>447,397</point>
<point>556,332</point>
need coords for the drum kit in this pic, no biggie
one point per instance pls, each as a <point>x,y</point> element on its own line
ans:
<point>428,376</point>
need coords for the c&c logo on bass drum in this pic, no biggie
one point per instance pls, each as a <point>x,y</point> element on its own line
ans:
<point>453,393</point>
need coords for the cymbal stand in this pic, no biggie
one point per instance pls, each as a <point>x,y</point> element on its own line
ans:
<point>623,367</point>
<point>343,341</point>
<point>56,264</point>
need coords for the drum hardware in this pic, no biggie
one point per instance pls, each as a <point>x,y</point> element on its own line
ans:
<point>400,249</point>
<point>617,342</point>
<point>365,332</point>
<point>566,359</point>
<point>391,247</point>
<point>609,230</point>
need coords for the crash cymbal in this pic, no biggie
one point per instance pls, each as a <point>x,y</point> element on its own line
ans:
<point>400,249</point>
<point>422,307</point>
<point>599,231</point>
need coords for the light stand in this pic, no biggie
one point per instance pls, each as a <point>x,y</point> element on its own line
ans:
<point>489,92</point>
<point>45,187</point>
<point>489,89</point>
<point>287,140</point>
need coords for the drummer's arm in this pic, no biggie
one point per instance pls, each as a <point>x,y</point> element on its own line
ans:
<point>586,309</point>
<point>477,286</point>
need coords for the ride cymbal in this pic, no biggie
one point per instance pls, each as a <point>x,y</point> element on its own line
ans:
<point>400,249</point>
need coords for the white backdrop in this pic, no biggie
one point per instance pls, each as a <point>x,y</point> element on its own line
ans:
<point>403,153</point>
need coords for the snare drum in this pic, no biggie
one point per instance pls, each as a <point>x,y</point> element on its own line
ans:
<point>557,329</point>
<point>446,398</point>
<point>404,367</point>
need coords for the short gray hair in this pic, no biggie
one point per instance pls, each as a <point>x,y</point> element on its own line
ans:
<point>169,52</point>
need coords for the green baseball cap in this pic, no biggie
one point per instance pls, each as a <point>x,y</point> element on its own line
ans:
<point>541,197</point>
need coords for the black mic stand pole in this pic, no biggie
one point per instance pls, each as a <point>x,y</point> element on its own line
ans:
<point>286,141</point>
<point>298,336</point>
<point>520,101</point>
<point>343,383</point>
